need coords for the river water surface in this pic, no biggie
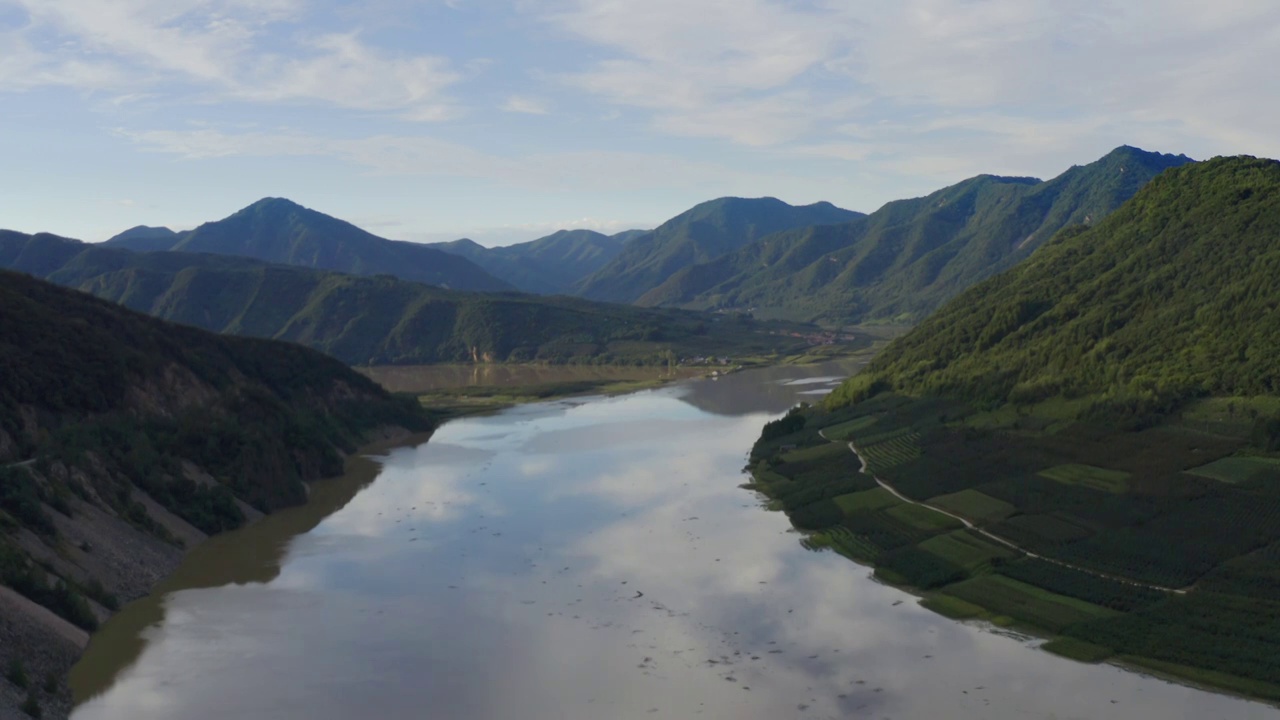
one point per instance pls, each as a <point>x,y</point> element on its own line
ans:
<point>590,558</point>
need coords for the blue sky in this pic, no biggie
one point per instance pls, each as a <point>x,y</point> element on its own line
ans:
<point>504,120</point>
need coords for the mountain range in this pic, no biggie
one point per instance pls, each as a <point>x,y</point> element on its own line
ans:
<point>907,258</point>
<point>809,263</point>
<point>551,265</point>
<point>281,231</point>
<point>375,320</point>
<point>704,232</point>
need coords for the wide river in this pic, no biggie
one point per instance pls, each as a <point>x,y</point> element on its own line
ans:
<point>591,559</point>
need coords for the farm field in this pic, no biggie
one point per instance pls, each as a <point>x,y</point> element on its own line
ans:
<point>1138,514</point>
<point>1026,603</point>
<point>1235,470</point>
<point>1096,478</point>
<point>867,501</point>
<point>974,505</point>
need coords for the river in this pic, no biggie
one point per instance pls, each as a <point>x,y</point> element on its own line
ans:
<point>588,558</point>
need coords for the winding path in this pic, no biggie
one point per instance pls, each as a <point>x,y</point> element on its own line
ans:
<point>865,470</point>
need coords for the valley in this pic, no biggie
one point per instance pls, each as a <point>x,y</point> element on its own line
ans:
<point>1077,442</point>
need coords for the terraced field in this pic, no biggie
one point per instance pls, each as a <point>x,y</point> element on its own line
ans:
<point>1095,478</point>
<point>883,452</point>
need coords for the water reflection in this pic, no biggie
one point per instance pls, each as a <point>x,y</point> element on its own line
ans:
<point>594,559</point>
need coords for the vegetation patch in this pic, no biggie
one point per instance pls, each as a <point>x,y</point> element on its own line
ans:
<point>1026,603</point>
<point>844,541</point>
<point>846,430</point>
<point>1080,650</point>
<point>967,549</point>
<point>974,506</point>
<point>919,516</point>
<point>1112,594</point>
<point>952,607</point>
<point>816,452</point>
<point>867,501</point>
<point>1238,469</point>
<point>1096,478</point>
<point>898,449</point>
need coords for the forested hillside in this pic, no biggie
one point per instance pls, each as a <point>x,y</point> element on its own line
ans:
<point>1173,297</point>
<point>378,320</point>
<point>909,257</point>
<point>124,439</point>
<point>552,265</point>
<point>1104,416</point>
<point>280,231</point>
<point>702,233</point>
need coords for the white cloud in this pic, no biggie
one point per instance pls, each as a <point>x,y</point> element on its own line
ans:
<point>527,105</point>
<point>971,79</point>
<point>219,50</point>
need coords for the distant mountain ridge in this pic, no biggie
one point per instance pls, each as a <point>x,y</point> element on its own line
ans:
<point>370,320</point>
<point>907,258</point>
<point>281,231</point>
<point>550,265</point>
<point>700,234</point>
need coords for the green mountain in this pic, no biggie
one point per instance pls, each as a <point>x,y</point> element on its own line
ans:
<point>903,261</point>
<point>125,439</point>
<point>376,320</point>
<point>700,234</point>
<point>277,230</point>
<point>551,265</point>
<point>1171,297</point>
<point>1105,416</point>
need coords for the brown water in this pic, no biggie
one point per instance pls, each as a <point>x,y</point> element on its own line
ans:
<point>591,558</point>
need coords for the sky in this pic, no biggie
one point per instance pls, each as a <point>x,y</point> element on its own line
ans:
<point>504,120</point>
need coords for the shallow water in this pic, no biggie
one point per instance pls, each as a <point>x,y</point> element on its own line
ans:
<point>589,558</point>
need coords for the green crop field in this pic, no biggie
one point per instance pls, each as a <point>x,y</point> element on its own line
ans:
<point>1237,469</point>
<point>952,607</point>
<point>1112,481</point>
<point>851,545</point>
<point>966,549</point>
<point>1026,603</point>
<point>867,501</point>
<point>1039,531</point>
<point>1070,647</point>
<point>814,453</point>
<point>974,506</point>
<point>899,448</point>
<point>843,431</point>
<point>922,517</point>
